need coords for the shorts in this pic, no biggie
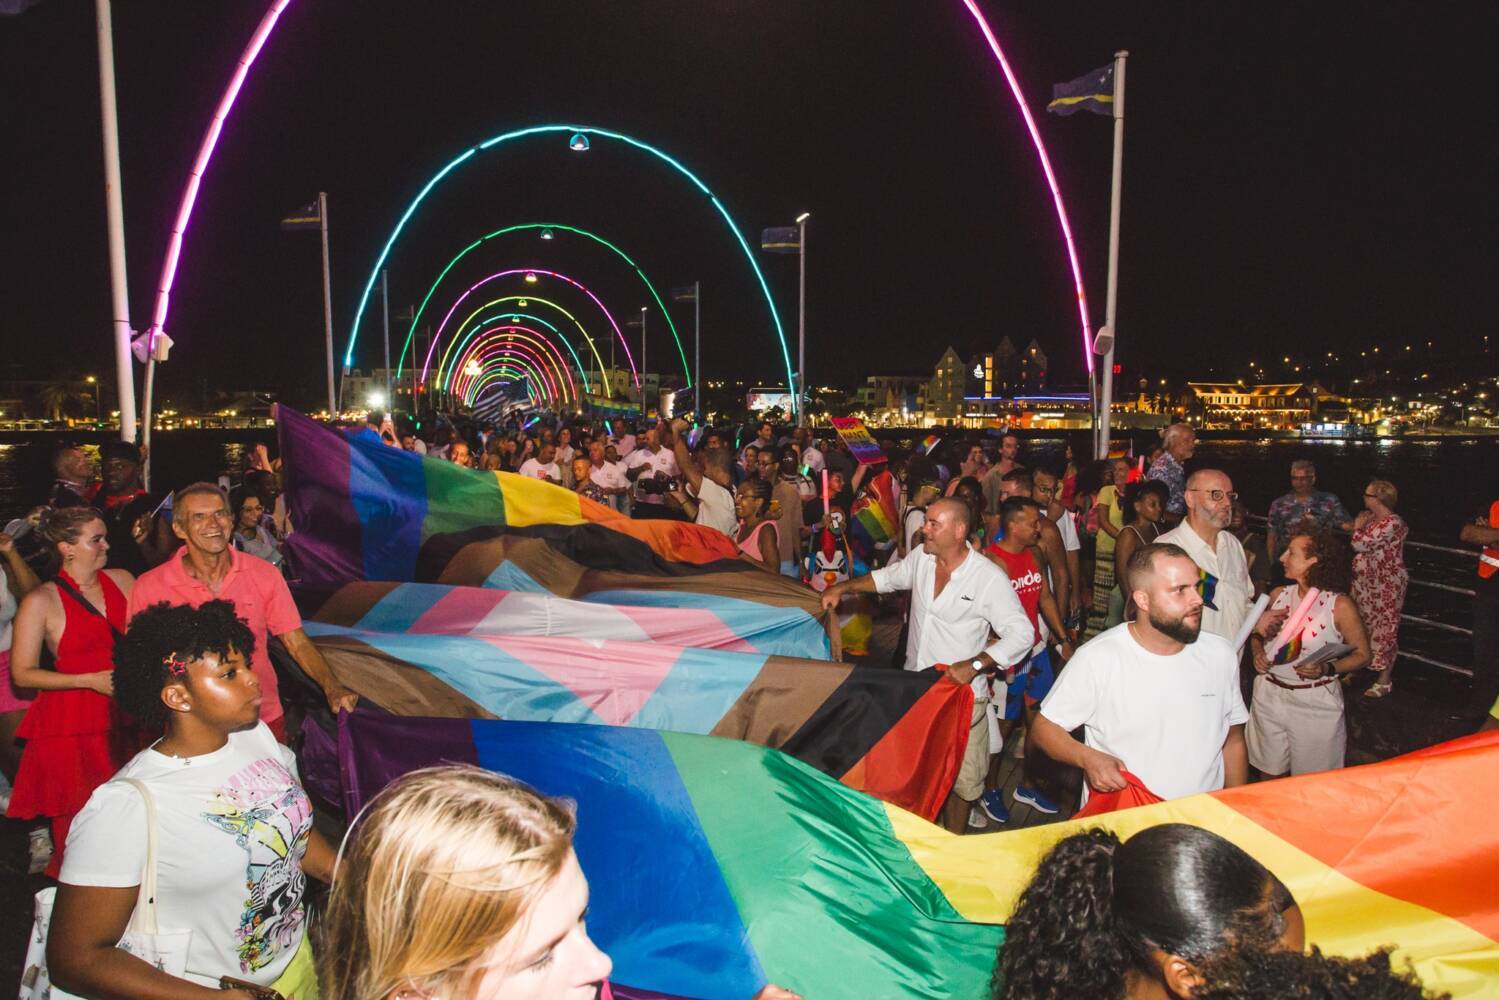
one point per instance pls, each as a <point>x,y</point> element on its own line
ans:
<point>1296,732</point>
<point>1031,686</point>
<point>975,767</point>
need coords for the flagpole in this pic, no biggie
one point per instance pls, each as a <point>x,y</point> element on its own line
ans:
<point>322,214</point>
<point>644,371</point>
<point>801,319</point>
<point>385,301</point>
<point>115,217</point>
<point>1106,402</point>
<point>697,346</point>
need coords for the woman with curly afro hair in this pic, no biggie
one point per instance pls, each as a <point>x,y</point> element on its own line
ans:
<point>1105,919</point>
<point>221,798</point>
<point>1252,974</point>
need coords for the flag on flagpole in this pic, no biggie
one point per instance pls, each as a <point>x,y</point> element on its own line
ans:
<point>306,217</point>
<point>781,239</point>
<point>688,294</point>
<point>1090,92</point>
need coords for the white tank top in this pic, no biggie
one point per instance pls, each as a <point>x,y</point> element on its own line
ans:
<point>1316,631</point>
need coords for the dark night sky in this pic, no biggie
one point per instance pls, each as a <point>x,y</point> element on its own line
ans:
<point>1297,176</point>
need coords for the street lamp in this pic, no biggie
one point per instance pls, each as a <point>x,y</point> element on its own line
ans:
<point>531,278</point>
<point>91,380</point>
<point>578,143</point>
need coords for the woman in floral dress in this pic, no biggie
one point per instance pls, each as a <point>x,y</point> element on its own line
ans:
<point>1379,577</point>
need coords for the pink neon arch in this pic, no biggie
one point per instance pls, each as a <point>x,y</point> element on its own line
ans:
<point>437,336</point>
<point>200,165</point>
<point>490,336</point>
<point>508,349</point>
<point>268,23</point>
<point>522,334</point>
<point>494,352</point>
<point>1051,177</point>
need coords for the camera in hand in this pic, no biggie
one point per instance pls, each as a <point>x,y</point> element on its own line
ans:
<point>657,485</point>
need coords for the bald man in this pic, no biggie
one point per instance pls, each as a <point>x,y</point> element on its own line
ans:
<point>1226,589</point>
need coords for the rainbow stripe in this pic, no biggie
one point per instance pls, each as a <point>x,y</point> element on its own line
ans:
<point>758,868</point>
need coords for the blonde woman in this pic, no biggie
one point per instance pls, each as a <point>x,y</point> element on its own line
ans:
<point>461,884</point>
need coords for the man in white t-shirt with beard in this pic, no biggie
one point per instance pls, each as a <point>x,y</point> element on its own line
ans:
<point>1157,696</point>
<point>651,461</point>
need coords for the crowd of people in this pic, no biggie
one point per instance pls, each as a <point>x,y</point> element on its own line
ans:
<point>139,704</point>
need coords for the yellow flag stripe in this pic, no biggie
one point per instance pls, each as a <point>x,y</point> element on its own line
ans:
<point>983,875</point>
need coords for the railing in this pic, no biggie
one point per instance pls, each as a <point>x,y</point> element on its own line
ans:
<point>1469,554</point>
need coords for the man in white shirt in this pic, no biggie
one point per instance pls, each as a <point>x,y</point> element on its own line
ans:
<point>1227,591</point>
<point>606,475</point>
<point>811,454</point>
<point>650,460</point>
<point>957,598</point>
<point>543,466</point>
<point>1157,696</point>
<point>709,498</point>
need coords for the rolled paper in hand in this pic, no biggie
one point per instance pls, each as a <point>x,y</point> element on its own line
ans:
<point>1293,624</point>
<point>1261,603</point>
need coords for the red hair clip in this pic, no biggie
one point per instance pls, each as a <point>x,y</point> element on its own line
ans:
<point>176,666</point>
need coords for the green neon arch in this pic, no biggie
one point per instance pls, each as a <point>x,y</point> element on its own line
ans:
<point>529,298</point>
<point>499,374</point>
<point>520,365</point>
<point>416,318</point>
<point>550,359</point>
<point>584,130</point>
<point>440,382</point>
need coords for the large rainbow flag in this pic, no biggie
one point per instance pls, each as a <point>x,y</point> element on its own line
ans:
<point>466,652</point>
<point>717,866</point>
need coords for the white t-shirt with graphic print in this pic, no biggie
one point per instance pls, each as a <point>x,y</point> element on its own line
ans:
<point>232,827</point>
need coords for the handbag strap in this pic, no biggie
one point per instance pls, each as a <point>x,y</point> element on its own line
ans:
<point>87,606</point>
<point>143,919</point>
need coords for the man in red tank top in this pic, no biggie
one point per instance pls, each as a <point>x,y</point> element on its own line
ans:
<point>1020,521</point>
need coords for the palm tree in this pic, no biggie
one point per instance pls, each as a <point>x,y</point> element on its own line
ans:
<point>55,396</point>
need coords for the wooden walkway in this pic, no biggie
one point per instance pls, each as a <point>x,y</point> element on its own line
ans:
<point>1011,776</point>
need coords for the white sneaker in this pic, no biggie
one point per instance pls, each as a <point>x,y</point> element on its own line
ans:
<point>977,819</point>
<point>41,849</point>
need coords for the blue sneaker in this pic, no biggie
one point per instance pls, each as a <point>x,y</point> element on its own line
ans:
<point>993,804</point>
<point>1033,798</point>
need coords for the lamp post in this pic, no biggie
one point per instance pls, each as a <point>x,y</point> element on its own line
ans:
<point>801,319</point>
<point>94,384</point>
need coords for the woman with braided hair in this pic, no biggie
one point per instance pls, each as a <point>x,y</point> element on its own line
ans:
<point>1136,920</point>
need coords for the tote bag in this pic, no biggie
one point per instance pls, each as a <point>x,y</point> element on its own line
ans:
<point>143,939</point>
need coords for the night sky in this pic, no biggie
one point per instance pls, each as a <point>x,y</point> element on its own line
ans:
<point>1298,177</point>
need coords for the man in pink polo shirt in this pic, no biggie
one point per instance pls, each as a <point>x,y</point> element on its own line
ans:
<point>209,568</point>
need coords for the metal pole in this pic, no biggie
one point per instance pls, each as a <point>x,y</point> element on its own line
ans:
<point>697,346</point>
<point>644,370</point>
<point>115,217</point>
<point>322,214</point>
<point>385,300</point>
<point>1106,401</point>
<point>801,320</point>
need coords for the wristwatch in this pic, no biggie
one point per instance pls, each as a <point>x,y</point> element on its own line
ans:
<point>979,666</point>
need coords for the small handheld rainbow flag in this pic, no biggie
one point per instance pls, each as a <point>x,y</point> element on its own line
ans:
<point>929,443</point>
<point>1207,587</point>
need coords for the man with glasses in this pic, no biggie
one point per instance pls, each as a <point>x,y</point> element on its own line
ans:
<point>1224,584</point>
<point>1305,508</point>
<point>209,568</point>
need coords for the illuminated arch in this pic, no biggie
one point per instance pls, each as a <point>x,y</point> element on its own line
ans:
<point>543,348</point>
<point>437,334</point>
<point>671,325</point>
<point>502,341</point>
<point>519,362</point>
<point>268,23</point>
<point>583,130</point>
<point>1051,177</point>
<point>447,353</point>
<point>502,372</point>
<point>438,378</point>
<point>503,353</point>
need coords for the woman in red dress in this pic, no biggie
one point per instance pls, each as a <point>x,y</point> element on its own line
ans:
<point>76,738</point>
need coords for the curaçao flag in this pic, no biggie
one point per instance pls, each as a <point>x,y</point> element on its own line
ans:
<point>1090,92</point>
<point>717,866</point>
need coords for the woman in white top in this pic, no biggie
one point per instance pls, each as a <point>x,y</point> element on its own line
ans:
<point>250,534</point>
<point>1296,722</point>
<point>234,828</point>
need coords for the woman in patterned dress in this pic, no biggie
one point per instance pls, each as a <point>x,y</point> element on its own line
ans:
<point>1379,577</point>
